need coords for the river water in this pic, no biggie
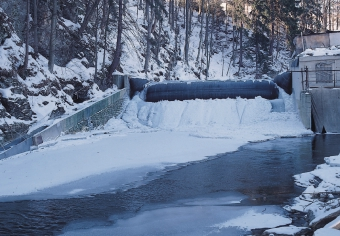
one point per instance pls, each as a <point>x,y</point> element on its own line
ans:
<point>182,200</point>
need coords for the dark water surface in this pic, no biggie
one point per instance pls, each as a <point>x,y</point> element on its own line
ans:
<point>262,171</point>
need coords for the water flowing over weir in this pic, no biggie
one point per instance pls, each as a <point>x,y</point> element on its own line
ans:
<point>222,114</point>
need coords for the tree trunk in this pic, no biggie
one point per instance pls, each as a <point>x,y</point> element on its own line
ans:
<point>170,11</point>
<point>324,16</point>
<point>240,63</point>
<point>199,11</point>
<point>201,32</point>
<point>206,38</point>
<point>96,45</point>
<point>89,12</point>
<point>234,34</point>
<point>24,70</point>
<point>159,40</point>
<point>51,55</point>
<point>148,43</point>
<point>173,14</point>
<point>210,44</point>
<point>272,34</point>
<point>329,14</point>
<point>176,45</point>
<point>187,32</point>
<point>116,56</point>
<point>105,41</point>
<point>104,18</point>
<point>35,28</point>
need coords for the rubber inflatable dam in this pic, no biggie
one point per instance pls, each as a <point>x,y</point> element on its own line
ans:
<point>189,90</point>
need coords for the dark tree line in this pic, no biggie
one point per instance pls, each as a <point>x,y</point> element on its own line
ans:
<point>258,27</point>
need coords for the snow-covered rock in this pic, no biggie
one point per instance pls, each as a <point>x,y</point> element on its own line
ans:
<point>287,231</point>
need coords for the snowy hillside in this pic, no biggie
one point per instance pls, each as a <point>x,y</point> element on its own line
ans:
<point>221,67</point>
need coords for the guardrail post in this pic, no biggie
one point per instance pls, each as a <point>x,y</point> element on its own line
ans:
<point>302,79</point>
<point>306,70</point>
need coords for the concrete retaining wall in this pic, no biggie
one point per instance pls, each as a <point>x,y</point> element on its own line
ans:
<point>91,117</point>
<point>326,110</point>
<point>24,146</point>
<point>85,119</point>
<point>305,109</point>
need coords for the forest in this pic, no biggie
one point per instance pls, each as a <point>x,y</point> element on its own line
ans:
<point>102,24</point>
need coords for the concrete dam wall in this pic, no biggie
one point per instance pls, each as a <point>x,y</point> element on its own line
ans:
<point>326,110</point>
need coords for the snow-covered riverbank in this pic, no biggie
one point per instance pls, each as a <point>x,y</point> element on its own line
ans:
<point>152,135</point>
<point>147,138</point>
<point>321,198</point>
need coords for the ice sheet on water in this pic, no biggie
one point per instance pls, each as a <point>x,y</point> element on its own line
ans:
<point>216,199</point>
<point>193,220</point>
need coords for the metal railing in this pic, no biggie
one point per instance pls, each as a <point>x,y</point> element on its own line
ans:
<point>319,78</point>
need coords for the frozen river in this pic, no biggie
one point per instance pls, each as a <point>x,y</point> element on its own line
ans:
<point>200,198</point>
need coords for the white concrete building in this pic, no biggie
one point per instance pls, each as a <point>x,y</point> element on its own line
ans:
<point>316,86</point>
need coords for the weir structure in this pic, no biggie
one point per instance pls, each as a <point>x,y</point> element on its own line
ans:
<point>316,86</point>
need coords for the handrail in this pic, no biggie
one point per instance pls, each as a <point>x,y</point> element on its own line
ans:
<point>319,78</point>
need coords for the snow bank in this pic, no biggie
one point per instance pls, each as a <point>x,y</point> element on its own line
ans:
<point>328,232</point>
<point>252,220</point>
<point>321,196</point>
<point>287,230</point>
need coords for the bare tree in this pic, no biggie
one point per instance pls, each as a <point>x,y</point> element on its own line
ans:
<point>24,70</point>
<point>105,15</point>
<point>51,55</point>
<point>96,44</point>
<point>201,31</point>
<point>324,15</point>
<point>117,53</point>
<point>90,9</point>
<point>35,27</point>
<point>150,15</point>
<point>187,31</point>
<point>240,62</point>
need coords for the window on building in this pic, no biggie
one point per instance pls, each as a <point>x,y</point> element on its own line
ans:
<point>323,73</point>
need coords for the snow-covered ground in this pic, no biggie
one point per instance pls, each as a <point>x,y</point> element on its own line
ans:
<point>320,199</point>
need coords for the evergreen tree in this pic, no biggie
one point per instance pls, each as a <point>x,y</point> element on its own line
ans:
<point>259,22</point>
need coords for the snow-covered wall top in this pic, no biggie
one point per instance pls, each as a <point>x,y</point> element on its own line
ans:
<point>331,51</point>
